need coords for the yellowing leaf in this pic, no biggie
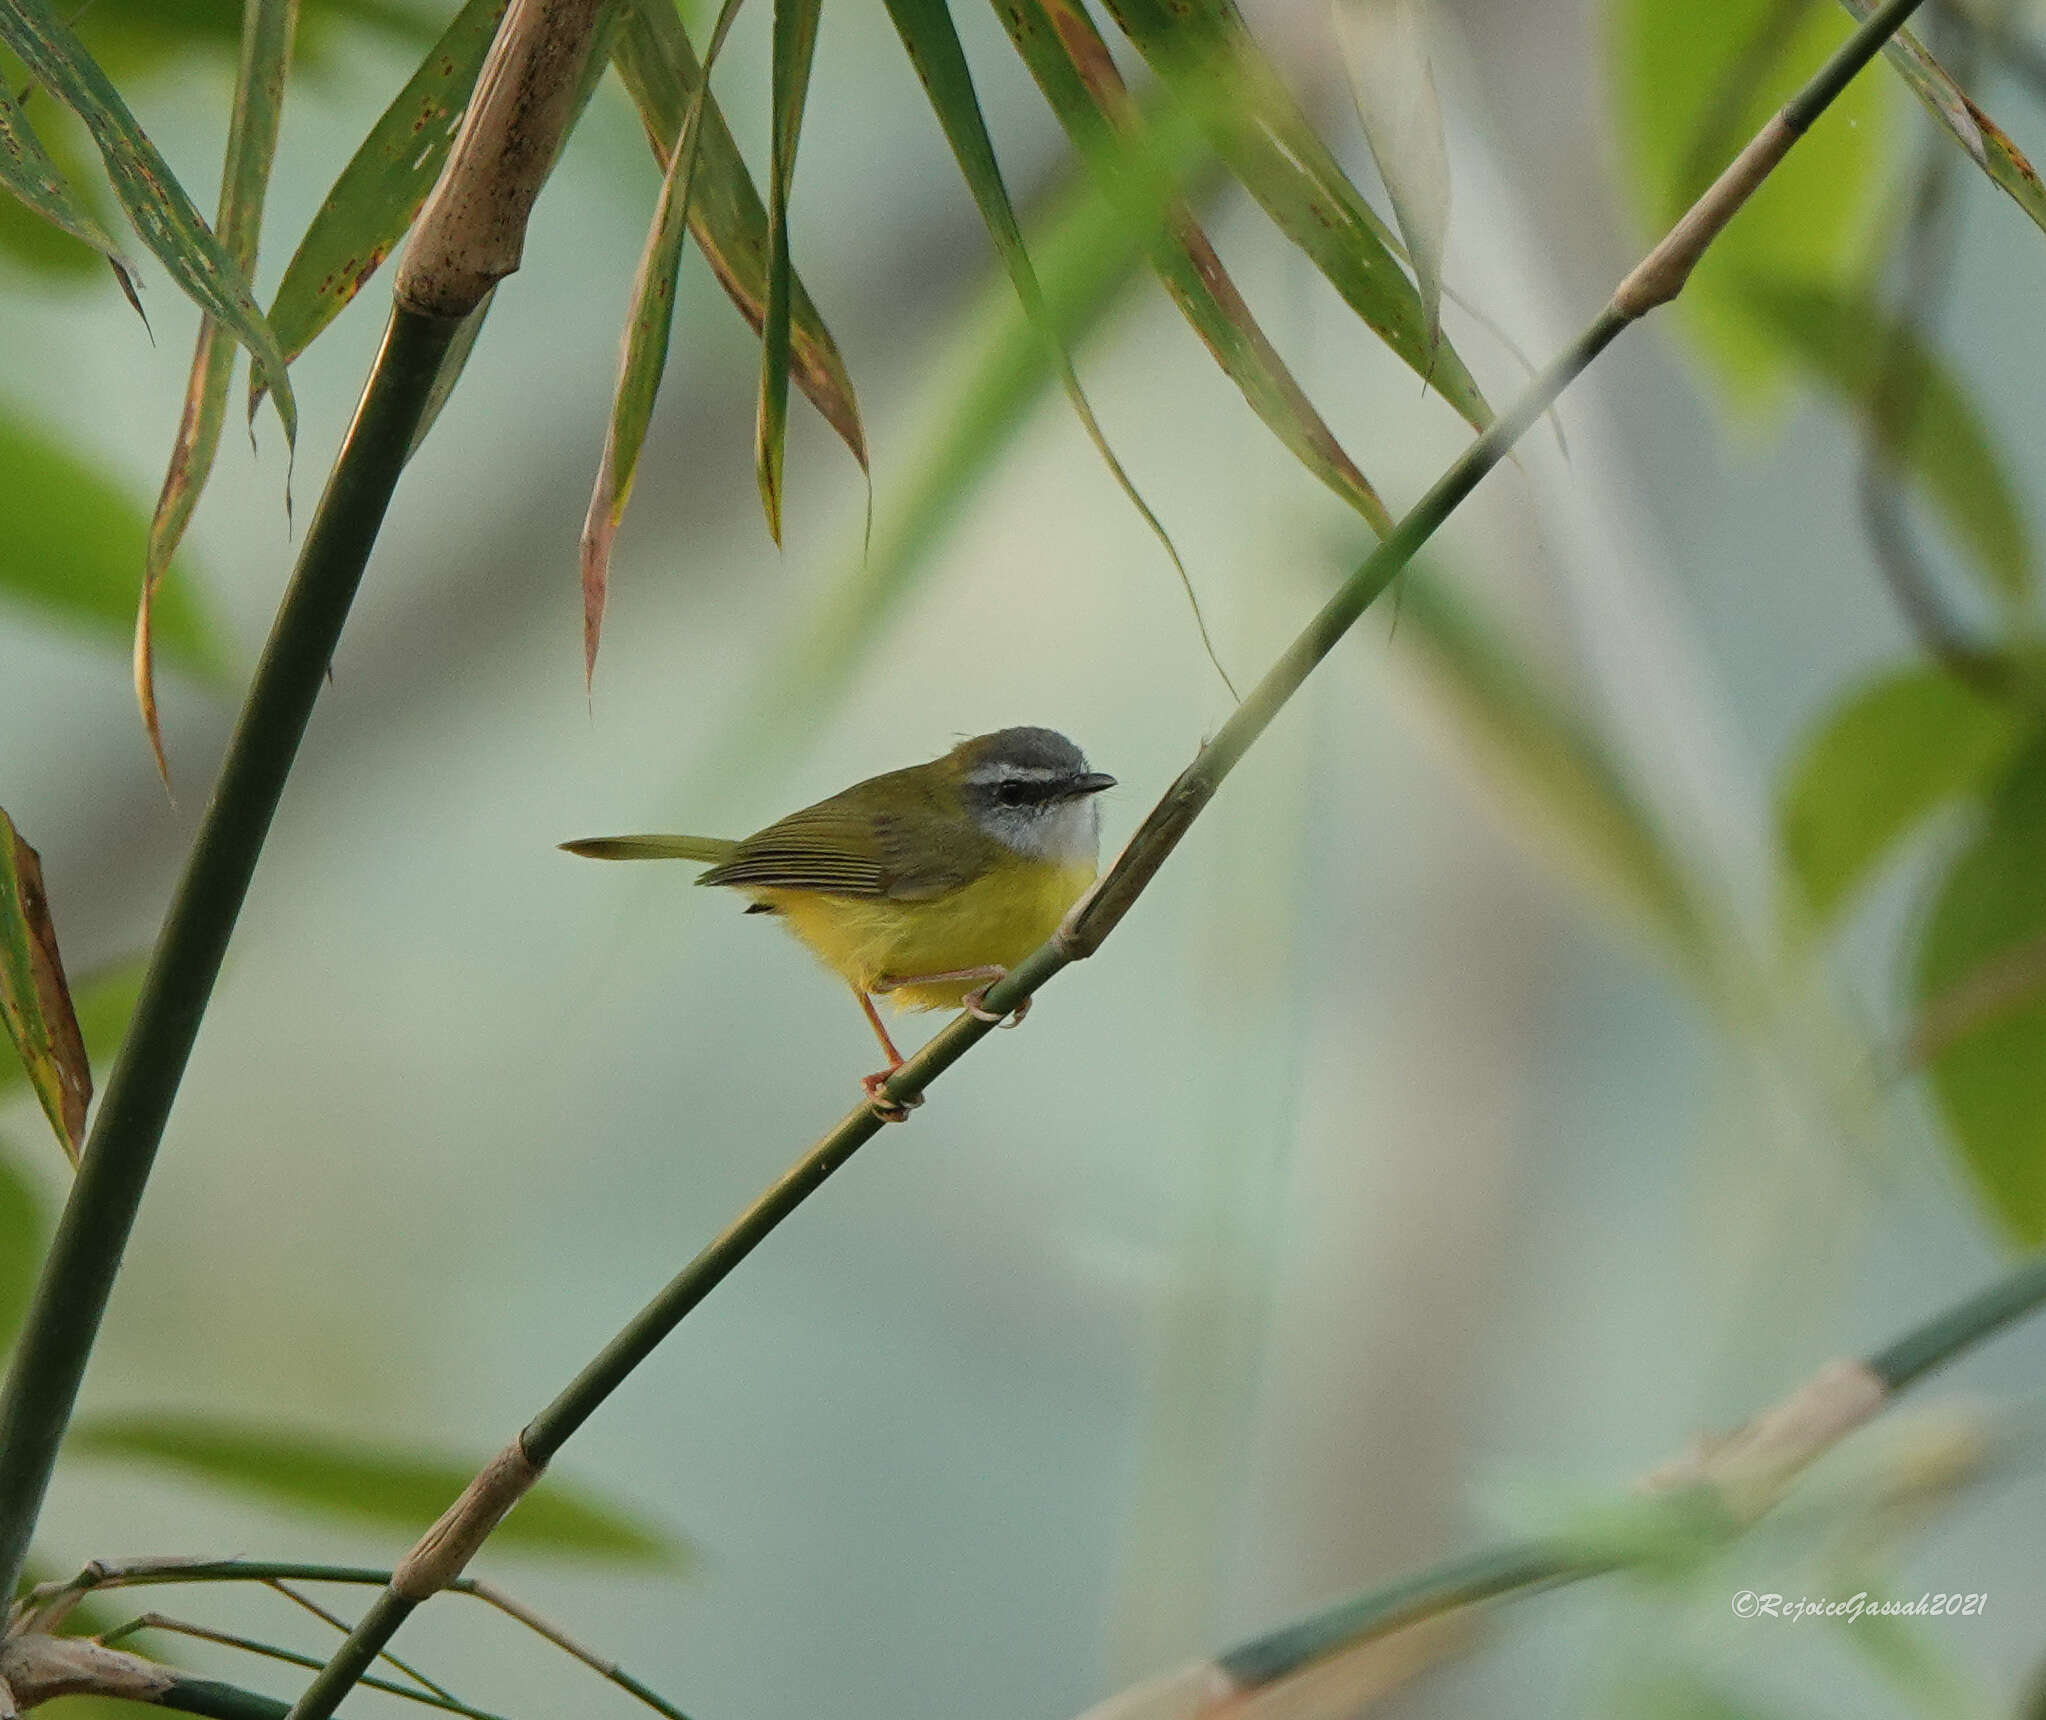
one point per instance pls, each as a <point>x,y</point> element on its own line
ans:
<point>35,1001</point>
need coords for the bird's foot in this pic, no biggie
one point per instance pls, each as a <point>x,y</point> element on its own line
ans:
<point>889,1110</point>
<point>975,1005</point>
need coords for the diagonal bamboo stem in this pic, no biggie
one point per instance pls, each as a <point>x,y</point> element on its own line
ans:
<point>1659,278</point>
<point>78,1275</point>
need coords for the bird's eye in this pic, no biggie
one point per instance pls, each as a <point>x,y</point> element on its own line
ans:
<point>1010,794</point>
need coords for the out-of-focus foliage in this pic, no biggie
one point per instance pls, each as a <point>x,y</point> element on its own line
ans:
<point>1690,86</point>
<point>76,554</point>
<point>1888,755</point>
<point>22,1225</point>
<point>340,1479</point>
<point>1920,415</point>
<point>1979,977</point>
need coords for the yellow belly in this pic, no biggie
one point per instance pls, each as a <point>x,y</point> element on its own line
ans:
<point>993,922</point>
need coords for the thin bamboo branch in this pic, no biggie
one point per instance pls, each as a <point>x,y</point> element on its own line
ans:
<point>1736,1478</point>
<point>1659,278</point>
<point>44,1608</point>
<point>290,1656</point>
<point>337,1622</point>
<point>78,1274</point>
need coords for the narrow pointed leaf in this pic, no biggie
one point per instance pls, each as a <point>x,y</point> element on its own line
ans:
<point>348,1481</point>
<point>267,30</point>
<point>1850,346</point>
<point>725,215</point>
<point>163,216</point>
<point>1282,162</point>
<point>983,387</point>
<point>73,555</point>
<point>35,1000</point>
<point>1078,77</point>
<point>1984,140</point>
<point>1385,51</point>
<point>647,330</point>
<point>1875,767</point>
<point>27,170</point>
<point>925,27</point>
<point>103,1002</point>
<point>795,43</point>
<point>1990,1078</point>
<point>378,193</point>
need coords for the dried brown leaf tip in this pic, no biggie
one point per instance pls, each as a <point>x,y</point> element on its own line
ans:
<point>35,1002</point>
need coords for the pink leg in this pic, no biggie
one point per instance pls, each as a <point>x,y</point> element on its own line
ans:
<point>887,1109</point>
<point>975,1001</point>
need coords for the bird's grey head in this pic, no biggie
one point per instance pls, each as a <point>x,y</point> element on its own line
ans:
<point>1031,790</point>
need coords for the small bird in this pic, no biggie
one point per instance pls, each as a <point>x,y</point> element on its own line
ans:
<point>924,885</point>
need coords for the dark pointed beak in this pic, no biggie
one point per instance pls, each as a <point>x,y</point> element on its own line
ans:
<point>1093,783</point>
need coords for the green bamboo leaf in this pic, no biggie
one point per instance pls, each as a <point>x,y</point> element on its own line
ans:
<point>925,27</point>
<point>73,555</point>
<point>378,193</point>
<point>28,241</point>
<point>35,999</point>
<point>267,30</point>
<point>103,1001</point>
<point>1854,349</point>
<point>1885,758</point>
<point>1078,77</point>
<point>1979,978</point>
<point>350,1481</point>
<point>1385,51</point>
<point>1282,162</point>
<point>726,217</point>
<point>162,214</point>
<point>1555,768</point>
<point>24,1227</point>
<point>985,383</point>
<point>646,340</point>
<point>795,43</point>
<point>27,170</point>
<point>1984,140</point>
<point>1689,86</point>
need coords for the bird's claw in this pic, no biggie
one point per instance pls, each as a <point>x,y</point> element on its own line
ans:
<point>889,1110</point>
<point>975,1005</point>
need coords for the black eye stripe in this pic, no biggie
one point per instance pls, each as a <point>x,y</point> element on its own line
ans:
<point>1019,791</point>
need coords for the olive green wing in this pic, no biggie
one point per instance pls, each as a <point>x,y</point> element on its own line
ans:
<point>878,838</point>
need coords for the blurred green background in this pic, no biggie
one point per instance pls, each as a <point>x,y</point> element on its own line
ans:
<point>1375,1193</point>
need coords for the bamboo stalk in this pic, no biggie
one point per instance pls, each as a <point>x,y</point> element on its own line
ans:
<point>78,1274</point>
<point>1657,280</point>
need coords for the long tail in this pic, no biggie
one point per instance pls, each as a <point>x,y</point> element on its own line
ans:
<point>709,849</point>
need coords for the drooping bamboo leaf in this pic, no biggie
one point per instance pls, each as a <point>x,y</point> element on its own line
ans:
<point>1690,84</point>
<point>267,30</point>
<point>795,42</point>
<point>378,193</point>
<point>345,1480</point>
<point>73,554</point>
<point>1385,50</point>
<point>1882,760</point>
<point>35,1000</point>
<point>1078,76</point>
<point>925,27</point>
<point>647,331</point>
<point>1987,933</point>
<point>1984,140</point>
<point>27,170</point>
<point>726,216</point>
<point>984,385</point>
<point>23,1228</point>
<point>1934,434</point>
<point>1555,768</point>
<point>1282,162</point>
<point>163,216</point>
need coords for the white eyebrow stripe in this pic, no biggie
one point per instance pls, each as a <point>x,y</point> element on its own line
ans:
<point>982,774</point>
